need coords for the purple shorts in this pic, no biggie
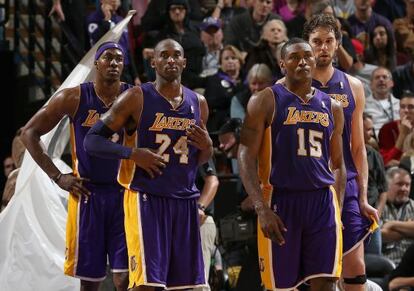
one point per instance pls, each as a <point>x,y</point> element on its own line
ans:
<point>356,227</point>
<point>163,238</point>
<point>313,239</point>
<point>95,233</point>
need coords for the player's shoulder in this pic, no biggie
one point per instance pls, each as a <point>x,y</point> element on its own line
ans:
<point>353,81</point>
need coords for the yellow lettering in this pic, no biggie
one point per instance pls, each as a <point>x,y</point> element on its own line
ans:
<point>91,119</point>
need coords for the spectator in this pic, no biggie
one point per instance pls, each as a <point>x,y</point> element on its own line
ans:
<point>244,30</point>
<point>179,28</point>
<point>103,19</point>
<point>18,150</point>
<point>390,9</point>
<point>222,86</point>
<point>393,135</point>
<point>343,8</point>
<point>274,33</point>
<point>398,212</point>
<point>377,184</point>
<point>154,18</point>
<point>404,33</point>
<point>403,77</point>
<point>208,187</point>
<point>226,10</point>
<point>403,276</point>
<point>8,166</point>
<point>291,9</point>
<point>258,78</point>
<point>381,51</point>
<point>382,105</point>
<point>212,37</point>
<point>364,20</point>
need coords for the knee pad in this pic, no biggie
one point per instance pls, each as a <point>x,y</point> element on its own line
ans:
<point>357,280</point>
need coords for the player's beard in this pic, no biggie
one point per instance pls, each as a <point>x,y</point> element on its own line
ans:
<point>324,63</point>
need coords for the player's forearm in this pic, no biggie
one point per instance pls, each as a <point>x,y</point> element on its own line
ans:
<point>361,164</point>
<point>37,150</point>
<point>248,175</point>
<point>340,184</point>
<point>97,143</point>
<point>382,199</point>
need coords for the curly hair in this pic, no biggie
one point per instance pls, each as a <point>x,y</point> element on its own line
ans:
<point>321,20</point>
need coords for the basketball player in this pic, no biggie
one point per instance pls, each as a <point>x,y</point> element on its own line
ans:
<point>297,207</point>
<point>357,216</point>
<point>168,141</point>
<point>95,225</point>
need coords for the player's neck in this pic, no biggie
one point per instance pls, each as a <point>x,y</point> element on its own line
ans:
<point>169,90</point>
<point>107,91</point>
<point>323,74</point>
<point>302,88</point>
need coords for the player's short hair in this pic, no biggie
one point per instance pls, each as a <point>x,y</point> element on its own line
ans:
<point>290,42</point>
<point>321,20</point>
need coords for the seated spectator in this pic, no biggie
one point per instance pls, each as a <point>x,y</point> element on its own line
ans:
<point>390,9</point>
<point>364,20</point>
<point>274,33</point>
<point>393,135</point>
<point>381,51</point>
<point>226,10</point>
<point>154,18</point>
<point>403,276</point>
<point>102,20</point>
<point>403,77</point>
<point>398,211</point>
<point>381,104</point>
<point>344,8</point>
<point>179,28</point>
<point>8,166</point>
<point>212,37</point>
<point>404,33</point>
<point>291,9</point>
<point>258,78</point>
<point>244,30</point>
<point>377,184</point>
<point>222,86</point>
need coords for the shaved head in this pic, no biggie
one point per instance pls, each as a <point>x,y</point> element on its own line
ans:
<point>167,42</point>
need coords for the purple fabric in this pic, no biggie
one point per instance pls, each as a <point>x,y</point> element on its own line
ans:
<point>101,232</point>
<point>311,239</point>
<point>356,226</point>
<point>172,244</point>
<point>108,45</point>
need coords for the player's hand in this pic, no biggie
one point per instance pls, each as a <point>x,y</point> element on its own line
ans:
<point>57,8</point>
<point>73,185</point>
<point>271,225</point>
<point>369,211</point>
<point>148,160</point>
<point>198,136</point>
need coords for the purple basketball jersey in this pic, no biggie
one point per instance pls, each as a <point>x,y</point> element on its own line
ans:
<point>339,89</point>
<point>300,141</point>
<point>163,128</point>
<point>91,107</point>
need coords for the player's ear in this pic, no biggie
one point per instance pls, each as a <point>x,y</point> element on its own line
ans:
<point>282,67</point>
<point>152,63</point>
<point>184,62</point>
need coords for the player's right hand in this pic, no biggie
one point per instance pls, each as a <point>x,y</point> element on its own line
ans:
<point>271,225</point>
<point>73,185</point>
<point>148,160</point>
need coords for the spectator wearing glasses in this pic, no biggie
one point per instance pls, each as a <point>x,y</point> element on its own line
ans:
<point>244,30</point>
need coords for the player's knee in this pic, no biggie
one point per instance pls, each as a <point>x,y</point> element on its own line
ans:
<point>353,265</point>
<point>356,280</point>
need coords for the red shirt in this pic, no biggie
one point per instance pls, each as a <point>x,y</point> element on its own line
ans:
<point>388,135</point>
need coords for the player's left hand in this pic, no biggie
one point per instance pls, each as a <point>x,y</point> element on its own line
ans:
<point>198,136</point>
<point>368,211</point>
